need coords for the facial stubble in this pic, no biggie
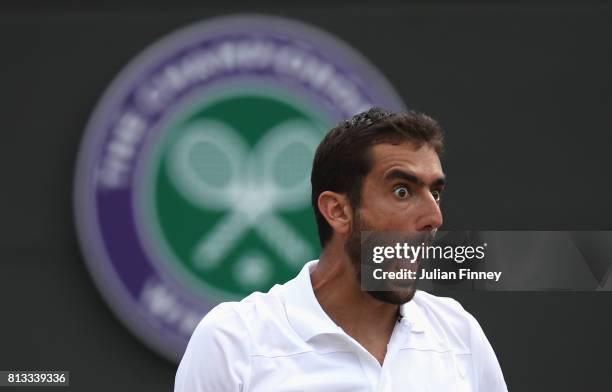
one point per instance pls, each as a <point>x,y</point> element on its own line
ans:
<point>396,296</point>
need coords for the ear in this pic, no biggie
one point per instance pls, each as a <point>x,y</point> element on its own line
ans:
<point>336,210</point>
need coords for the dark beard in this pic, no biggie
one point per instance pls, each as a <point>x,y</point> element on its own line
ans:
<point>353,250</point>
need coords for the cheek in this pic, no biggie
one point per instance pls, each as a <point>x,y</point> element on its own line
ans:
<point>385,215</point>
<point>380,204</point>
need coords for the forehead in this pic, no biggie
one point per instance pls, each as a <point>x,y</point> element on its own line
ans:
<point>422,161</point>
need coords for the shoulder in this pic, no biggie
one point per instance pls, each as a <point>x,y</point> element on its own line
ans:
<point>218,355</point>
<point>247,323</point>
<point>222,332</point>
<point>238,318</point>
<point>227,318</point>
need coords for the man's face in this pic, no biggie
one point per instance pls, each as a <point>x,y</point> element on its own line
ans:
<point>400,193</point>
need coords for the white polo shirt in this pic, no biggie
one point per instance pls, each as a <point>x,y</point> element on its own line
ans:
<point>284,341</point>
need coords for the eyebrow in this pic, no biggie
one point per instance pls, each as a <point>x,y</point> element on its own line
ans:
<point>406,176</point>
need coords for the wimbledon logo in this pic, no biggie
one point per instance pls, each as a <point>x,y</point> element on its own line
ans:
<point>193,178</point>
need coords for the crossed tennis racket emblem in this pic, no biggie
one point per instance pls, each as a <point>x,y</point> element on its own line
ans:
<point>213,167</point>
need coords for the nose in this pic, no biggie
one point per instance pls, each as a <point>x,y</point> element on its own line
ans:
<point>430,217</point>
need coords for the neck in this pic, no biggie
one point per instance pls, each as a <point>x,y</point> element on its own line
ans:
<point>366,319</point>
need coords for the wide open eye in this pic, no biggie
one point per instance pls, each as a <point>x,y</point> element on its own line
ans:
<point>437,195</point>
<point>401,192</point>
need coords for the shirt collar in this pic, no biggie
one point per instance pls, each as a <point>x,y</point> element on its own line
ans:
<point>304,312</point>
<point>308,319</point>
<point>413,315</point>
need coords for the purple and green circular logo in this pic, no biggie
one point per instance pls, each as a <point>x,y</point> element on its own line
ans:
<point>193,178</point>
